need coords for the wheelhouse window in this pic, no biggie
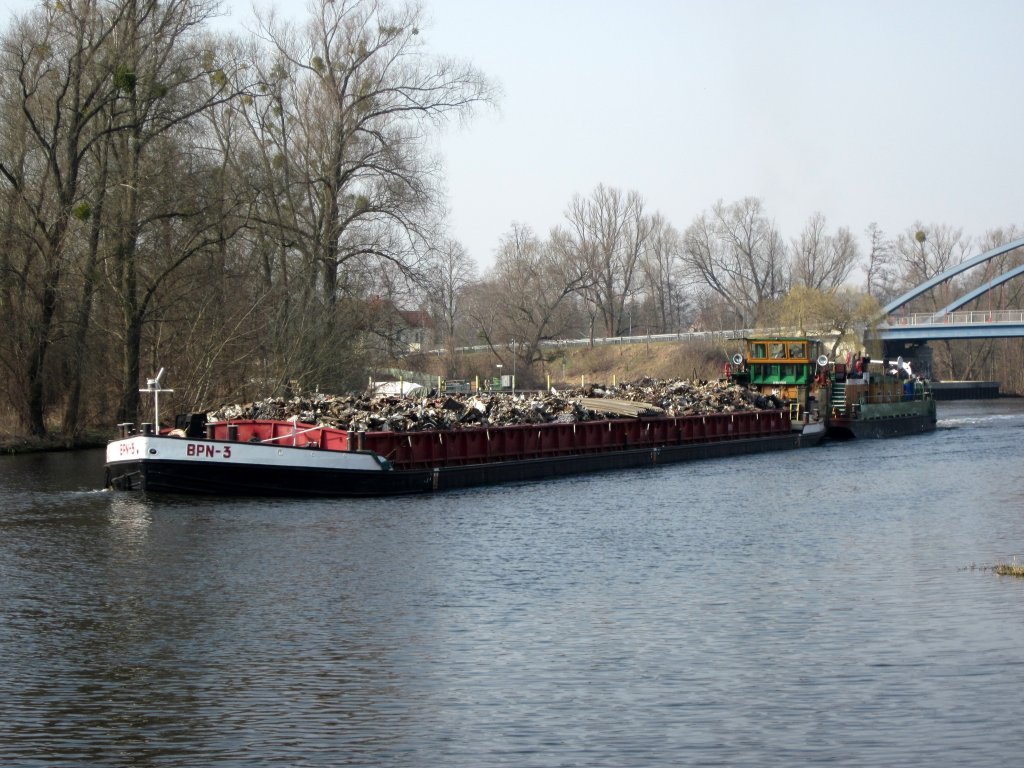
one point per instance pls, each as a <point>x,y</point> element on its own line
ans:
<point>797,350</point>
<point>777,351</point>
<point>757,351</point>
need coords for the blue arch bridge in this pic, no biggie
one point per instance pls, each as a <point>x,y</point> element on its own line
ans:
<point>907,334</point>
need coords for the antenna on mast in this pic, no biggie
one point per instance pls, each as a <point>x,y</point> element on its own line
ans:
<point>153,387</point>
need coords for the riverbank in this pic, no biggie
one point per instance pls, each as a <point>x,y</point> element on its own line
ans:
<point>579,366</point>
<point>14,444</point>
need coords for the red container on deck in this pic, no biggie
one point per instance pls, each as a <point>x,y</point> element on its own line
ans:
<point>478,445</point>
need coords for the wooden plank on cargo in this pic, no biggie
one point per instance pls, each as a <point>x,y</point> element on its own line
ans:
<point>620,407</point>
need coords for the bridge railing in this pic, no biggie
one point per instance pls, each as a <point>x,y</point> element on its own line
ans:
<point>653,337</point>
<point>973,317</point>
<point>636,339</point>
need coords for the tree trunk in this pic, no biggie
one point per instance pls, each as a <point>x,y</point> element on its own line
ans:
<point>129,410</point>
<point>72,418</point>
<point>37,364</point>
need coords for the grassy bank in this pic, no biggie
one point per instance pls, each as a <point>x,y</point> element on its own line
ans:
<point>570,366</point>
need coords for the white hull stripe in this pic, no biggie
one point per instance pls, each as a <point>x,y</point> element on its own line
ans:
<point>153,448</point>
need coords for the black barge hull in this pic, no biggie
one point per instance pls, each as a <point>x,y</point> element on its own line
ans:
<point>161,475</point>
<point>861,429</point>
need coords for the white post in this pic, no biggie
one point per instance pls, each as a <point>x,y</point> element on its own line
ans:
<point>153,386</point>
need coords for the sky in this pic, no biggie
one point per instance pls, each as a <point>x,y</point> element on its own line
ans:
<point>867,112</point>
<point>884,112</point>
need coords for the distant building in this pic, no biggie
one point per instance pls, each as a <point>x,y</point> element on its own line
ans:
<point>396,332</point>
<point>416,331</point>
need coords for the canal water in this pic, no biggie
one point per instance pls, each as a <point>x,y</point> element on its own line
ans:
<point>826,606</point>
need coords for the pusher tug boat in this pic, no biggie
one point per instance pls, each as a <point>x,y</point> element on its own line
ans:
<point>262,457</point>
<point>839,400</point>
<point>789,370</point>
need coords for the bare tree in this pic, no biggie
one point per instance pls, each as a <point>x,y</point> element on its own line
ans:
<point>165,203</point>
<point>738,254</point>
<point>107,179</point>
<point>55,88</point>
<point>820,260</point>
<point>450,271</point>
<point>349,190</point>
<point>662,280</point>
<point>922,253</point>
<point>879,268</point>
<point>606,236</point>
<point>344,125</point>
<point>526,297</point>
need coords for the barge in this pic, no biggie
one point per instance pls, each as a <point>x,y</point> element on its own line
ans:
<point>287,458</point>
<point>807,398</point>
